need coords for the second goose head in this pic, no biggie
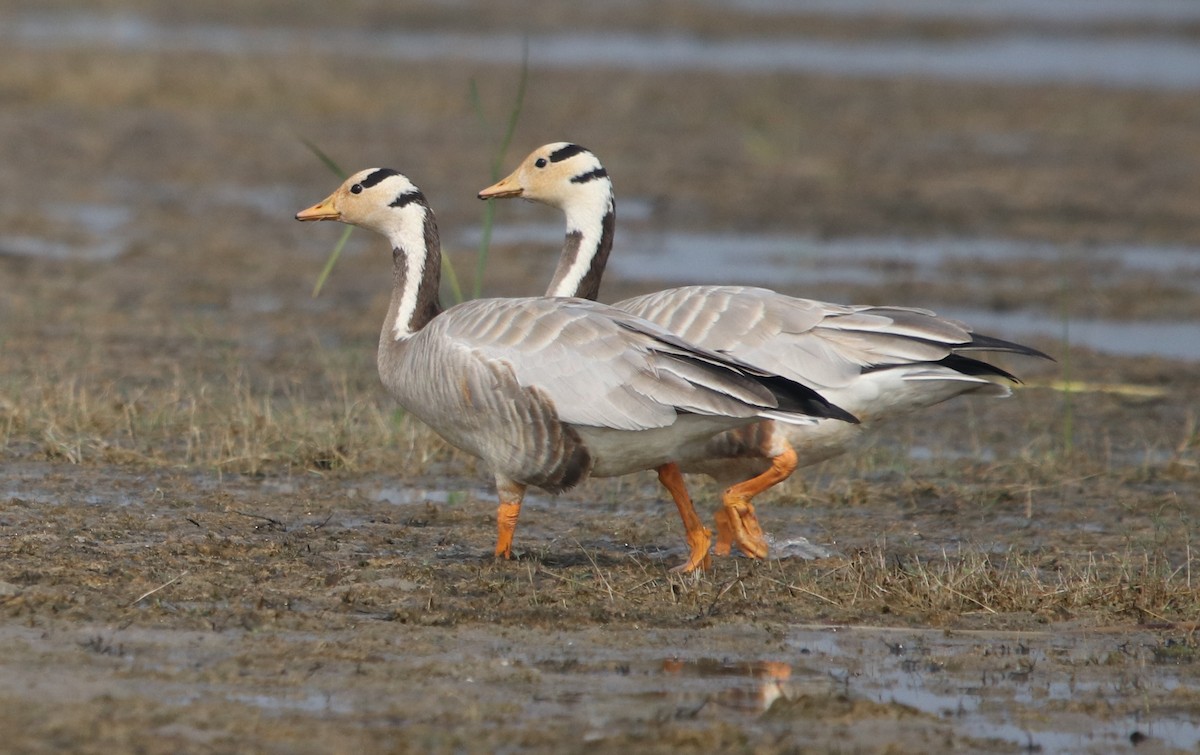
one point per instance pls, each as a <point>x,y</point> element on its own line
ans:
<point>570,178</point>
<point>560,174</point>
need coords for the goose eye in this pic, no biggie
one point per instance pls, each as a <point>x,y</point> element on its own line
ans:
<point>356,189</point>
<point>540,162</point>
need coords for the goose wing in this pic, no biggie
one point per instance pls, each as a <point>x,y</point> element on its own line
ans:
<point>816,343</point>
<point>595,365</point>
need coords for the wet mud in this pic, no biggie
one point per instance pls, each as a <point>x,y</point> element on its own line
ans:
<point>219,535</point>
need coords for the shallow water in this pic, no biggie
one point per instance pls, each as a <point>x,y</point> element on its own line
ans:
<point>685,257</point>
<point>89,232</point>
<point>1041,11</point>
<point>1040,691</point>
<point>1172,340</point>
<point>992,685</point>
<point>1028,676</point>
<point>800,265</point>
<point>1039,57</point>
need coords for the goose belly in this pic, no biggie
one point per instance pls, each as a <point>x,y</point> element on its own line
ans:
<point>875,398</point>
<point>737,455</point>
<point>619,452</point>
<point>885,394</point>
<point>824,440</point>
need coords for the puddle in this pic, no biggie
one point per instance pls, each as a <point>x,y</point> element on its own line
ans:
<point>796,547</point>
<point>800,264</point>
<point>918,452</point>
<point>256,302</point>
<point>1172,340</point>
<point>1023,691</point>
<point>1036,690</point>
<point>47,484</point>
<point>680,257</point>
<point>314,702</point>
<point>104,232</point>
<point>749,687</point>
<point>1042,11</point>
<point>1064,692</point>
<point>1154,62</point>
<point>271,201</point>
<point>444,492</point>
<point>408,496</point>
<point>85,232</point>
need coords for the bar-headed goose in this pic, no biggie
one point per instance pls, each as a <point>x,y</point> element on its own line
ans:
<point>876,362</point>
<point>548,391</point>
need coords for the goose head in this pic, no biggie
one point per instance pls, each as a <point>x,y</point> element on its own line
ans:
<point>560,174</point>
<point>377,199</point>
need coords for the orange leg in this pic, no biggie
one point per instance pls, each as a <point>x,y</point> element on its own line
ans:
<point>724,544</point>
<point>736,521</point>
<point>698,536</point>
<point>511,494</point>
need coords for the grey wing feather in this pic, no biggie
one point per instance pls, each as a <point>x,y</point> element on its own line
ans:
<point>597,366</point>
<point>815,343</point>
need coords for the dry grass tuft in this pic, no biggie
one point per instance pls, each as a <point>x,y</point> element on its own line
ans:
<point>227,423</point>
<point>1138,585</point>
<point>967,589</point>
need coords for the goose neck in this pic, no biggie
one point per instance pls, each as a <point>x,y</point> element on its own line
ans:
<point>590,228</point>
<point>416,270</point>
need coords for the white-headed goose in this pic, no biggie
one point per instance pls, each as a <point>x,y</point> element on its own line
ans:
<point>549,391</point>
<point>876,362</point>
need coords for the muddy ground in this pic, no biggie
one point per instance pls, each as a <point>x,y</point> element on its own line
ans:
<point>219,535</point>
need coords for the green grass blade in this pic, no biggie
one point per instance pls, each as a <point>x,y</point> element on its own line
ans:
<point>489,213</point>
<point>452,279</point>
<point>515,114</point>
<point>333,258</point>
<point>485,244</point>
<point>329,163</point>
<point>1064,293</point>
<point>337,248</point>
<point>477,105</point>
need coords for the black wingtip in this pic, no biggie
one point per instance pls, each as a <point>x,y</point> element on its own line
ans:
<point>976,367</point>
<point>800,399</point>
<point>980,342</point>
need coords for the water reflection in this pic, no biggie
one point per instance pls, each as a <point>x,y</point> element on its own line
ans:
<point>684,257</point>
<point>1173,340</point>
<point>1157,62</point>
<point>1041,11</point>
<point>758,684</point>
<point>1041,690</point>
<point>1021,690</point>
<point>80,231</point>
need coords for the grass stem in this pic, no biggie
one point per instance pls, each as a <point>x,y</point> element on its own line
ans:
<point>489,213</point>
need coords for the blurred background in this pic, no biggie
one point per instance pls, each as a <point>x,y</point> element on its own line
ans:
<point>217,528</point>
<point>1030,167</point>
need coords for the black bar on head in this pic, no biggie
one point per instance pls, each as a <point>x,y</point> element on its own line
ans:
<point>565,153</point>
<point>377,176</point>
